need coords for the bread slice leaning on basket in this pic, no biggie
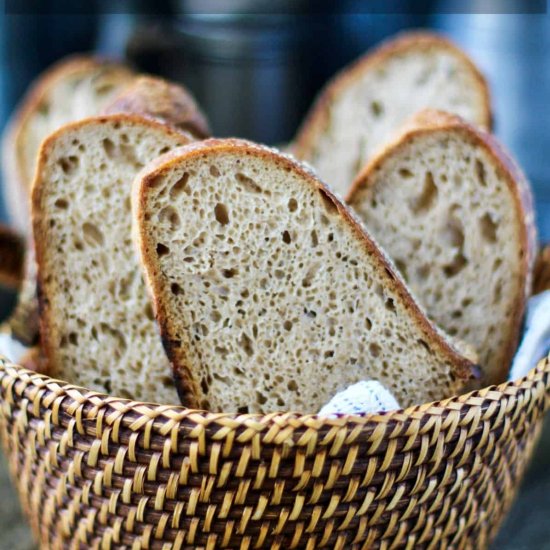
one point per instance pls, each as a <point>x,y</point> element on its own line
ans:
<point>365,103</point>
<point>455,214</point>
<point>96,323</point>
<point>269,294</point>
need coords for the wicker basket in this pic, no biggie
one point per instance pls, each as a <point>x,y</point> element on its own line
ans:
<point>96,471</point>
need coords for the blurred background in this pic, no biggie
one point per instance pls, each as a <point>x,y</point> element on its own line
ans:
<point>255,66</point>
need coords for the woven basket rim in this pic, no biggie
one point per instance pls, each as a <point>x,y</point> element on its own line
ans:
<point>11,372</point>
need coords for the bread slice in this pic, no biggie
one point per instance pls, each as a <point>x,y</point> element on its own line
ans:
<point>542,271</point>
<point>157,98</point>
<point>456,216</point>
<point>268,294</point>
<point>96,321</point>
<point>12,253</point>
<point>363,106</point>
<point>76,87</point>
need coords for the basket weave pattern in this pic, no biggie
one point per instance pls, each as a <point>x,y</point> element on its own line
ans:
<point>96,471</point>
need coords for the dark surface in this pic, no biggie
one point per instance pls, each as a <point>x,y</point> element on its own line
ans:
<point>527,526</point>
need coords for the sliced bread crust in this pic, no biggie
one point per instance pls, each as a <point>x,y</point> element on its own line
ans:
<point>43,111</point>
<point>96,323</point>
<point>173,187</point>
<point>376,112</point>
<point>478,209</point>
<point>164,101</point>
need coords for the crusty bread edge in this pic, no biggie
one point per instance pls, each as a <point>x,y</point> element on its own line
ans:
<point>317,118</point>
<point>463,368</point>
<point>430,121</point>
<point>41,246</point>
<point>180,97</point>
<point>16,191</point>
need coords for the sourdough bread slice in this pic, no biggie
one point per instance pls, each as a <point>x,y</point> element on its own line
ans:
<point>96,322</point>
<point>74,88</point>
<point>456,215</point>
<point>162,100</point>
<point>363,106</point>
<point>268,294</point>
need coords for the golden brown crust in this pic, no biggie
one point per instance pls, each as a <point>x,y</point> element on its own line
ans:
<point>162,100</point>
<point>47,338</point>
<point>317,118</point>
<point>12,254</point>
<point>463,368</point>
<point>16,181</point>
<point>542,271</point>
<point>429,121</point>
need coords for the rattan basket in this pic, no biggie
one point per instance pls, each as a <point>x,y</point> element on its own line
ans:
<point>96,471</point>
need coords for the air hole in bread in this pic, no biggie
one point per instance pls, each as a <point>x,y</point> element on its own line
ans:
<point>109,147</point>
<point>424,344</point>
<point>69,165</point>
<point>458,263</point>
<point>480,173</point>
<point>376,108</point>
<point>229,273</point>
<point>221,213</point>
<point>287,325</point>
<point>149,313</point>
<point>497,295</point>
<point>181,186</point>
<point>243,409</point>
<point>374,349</point>
<point>92,235</point>
<point>246,344</point>
<point>328,203</point>
<point>248,184</point>
<point>286,237</point>
<point>488,228</point>
<point>73,338</point>
<point>168,215</point>
<point>405,173</point>
<point>453,232</point>
<point>162,250</point>
<point>390,304</point>
<point>176,289</point>
<point>214,172</point>
<point>164,150</point>
<point>292,205</point>
<point>427,198</point>
<point>63,204</point>
<point>368,323</point>
<point>166,381</point>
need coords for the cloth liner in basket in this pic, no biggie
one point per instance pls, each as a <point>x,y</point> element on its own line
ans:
<point>102,472</point>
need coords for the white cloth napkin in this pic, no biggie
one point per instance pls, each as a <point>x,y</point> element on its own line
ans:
<point>366,396</point>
